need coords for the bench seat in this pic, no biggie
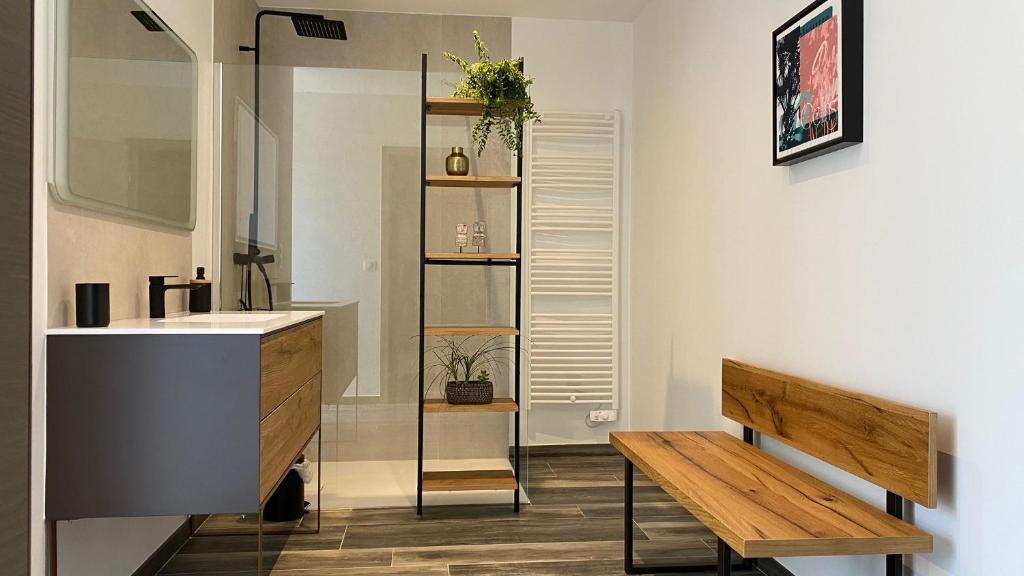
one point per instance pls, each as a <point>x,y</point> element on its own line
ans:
<point>761,506</point>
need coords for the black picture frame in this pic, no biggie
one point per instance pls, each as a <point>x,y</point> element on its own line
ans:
<point>851,56</point>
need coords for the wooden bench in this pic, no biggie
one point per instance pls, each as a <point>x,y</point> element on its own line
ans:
<point>760,507</point>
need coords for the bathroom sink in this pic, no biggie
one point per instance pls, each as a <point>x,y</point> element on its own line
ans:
<point>224,318</point>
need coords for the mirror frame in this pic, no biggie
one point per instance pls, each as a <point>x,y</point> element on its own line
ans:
<point>58,183</point>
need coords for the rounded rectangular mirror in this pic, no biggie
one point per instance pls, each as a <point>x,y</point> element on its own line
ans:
<point>125,113</point>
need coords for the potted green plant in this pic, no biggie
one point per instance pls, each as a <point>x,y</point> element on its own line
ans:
<point>463,369</point>
<point>502,89</point>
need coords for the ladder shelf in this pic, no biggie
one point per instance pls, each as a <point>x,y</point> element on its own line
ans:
<point>467,480</point>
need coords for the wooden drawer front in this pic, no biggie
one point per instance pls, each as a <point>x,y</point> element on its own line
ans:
<point>285,432</point>
<point>288,360</point>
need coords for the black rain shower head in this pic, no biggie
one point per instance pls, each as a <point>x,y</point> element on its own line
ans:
<point>147,20</point>
<point>319,27</point>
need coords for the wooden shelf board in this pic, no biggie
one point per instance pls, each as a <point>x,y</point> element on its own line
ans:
<point>472,256</point>
<point>453,481</point>
<point>470,331</point>
<point>499,405</point>
<point>454,107</point>
<point>473,181</point>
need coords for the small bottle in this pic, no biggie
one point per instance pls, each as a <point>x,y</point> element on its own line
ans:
<point>200,294</point>
<point>461,236</point>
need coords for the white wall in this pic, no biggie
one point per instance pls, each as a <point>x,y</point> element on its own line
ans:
<point>581,66</point>
<point>893,268</point>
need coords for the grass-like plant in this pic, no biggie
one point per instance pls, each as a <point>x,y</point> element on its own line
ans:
<point>455,360</point>
<point>503,90</point>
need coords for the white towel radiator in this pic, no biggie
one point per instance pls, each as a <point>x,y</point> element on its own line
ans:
<point>572,266</point>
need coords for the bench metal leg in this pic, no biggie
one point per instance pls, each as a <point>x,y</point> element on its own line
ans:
<point>894,565</point>
<point>748,435</point>
<point>629,568</point>
<point>894,506</point>
<point>724,559</point>
<point>724,564</point>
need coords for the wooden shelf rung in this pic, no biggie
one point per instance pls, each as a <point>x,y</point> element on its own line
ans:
<point>473,181</point>
<point>459,480</point>
<point>472,256</point>
<point>454,107</point>
<point>470,331</point>
<point>499,405</point>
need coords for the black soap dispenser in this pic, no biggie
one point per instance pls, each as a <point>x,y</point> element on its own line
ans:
<point>200,297</point>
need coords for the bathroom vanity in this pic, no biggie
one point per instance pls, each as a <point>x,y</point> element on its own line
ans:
<point>198,414</point>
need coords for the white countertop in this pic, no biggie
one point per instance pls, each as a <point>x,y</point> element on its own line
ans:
<point>261,322</point>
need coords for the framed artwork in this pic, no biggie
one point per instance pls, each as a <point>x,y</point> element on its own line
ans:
<point>818,65</point>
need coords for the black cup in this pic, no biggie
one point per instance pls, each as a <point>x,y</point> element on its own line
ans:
<point>92,305</point>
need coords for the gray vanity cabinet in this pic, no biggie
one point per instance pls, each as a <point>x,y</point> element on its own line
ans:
<point>167,424</point>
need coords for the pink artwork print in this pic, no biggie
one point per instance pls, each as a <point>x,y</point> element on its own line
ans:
<point>819,78</point>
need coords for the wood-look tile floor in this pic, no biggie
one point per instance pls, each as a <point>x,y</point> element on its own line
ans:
<point>573,527</point>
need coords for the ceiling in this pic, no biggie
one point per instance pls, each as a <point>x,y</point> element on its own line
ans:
<point>606,10</point>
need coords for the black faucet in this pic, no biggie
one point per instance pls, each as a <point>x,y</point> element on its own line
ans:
<point>157,289</point>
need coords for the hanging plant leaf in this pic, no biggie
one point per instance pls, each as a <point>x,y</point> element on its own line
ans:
<point>502,89</point>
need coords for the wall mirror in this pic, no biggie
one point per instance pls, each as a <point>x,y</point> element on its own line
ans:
<point>125,101</point>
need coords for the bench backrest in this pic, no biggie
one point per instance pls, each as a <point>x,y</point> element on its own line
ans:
<point>883,442</point>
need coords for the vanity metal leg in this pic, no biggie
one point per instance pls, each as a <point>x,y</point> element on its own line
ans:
<point>319,475</point>
<point>259,543</point>
<point>53,547</point>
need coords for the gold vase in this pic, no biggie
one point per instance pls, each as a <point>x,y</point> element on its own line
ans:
<point>457,164</point>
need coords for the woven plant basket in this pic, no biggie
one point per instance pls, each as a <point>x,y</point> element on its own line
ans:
<point>469,392</point>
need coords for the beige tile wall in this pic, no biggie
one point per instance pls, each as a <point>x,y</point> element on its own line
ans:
<point>90,247</point>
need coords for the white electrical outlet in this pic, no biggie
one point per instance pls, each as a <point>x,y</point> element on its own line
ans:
<point>604,415</point>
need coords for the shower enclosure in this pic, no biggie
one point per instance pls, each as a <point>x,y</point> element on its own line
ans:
<point>336,223</point>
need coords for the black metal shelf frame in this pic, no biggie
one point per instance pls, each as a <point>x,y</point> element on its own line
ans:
<point>424,262</point>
